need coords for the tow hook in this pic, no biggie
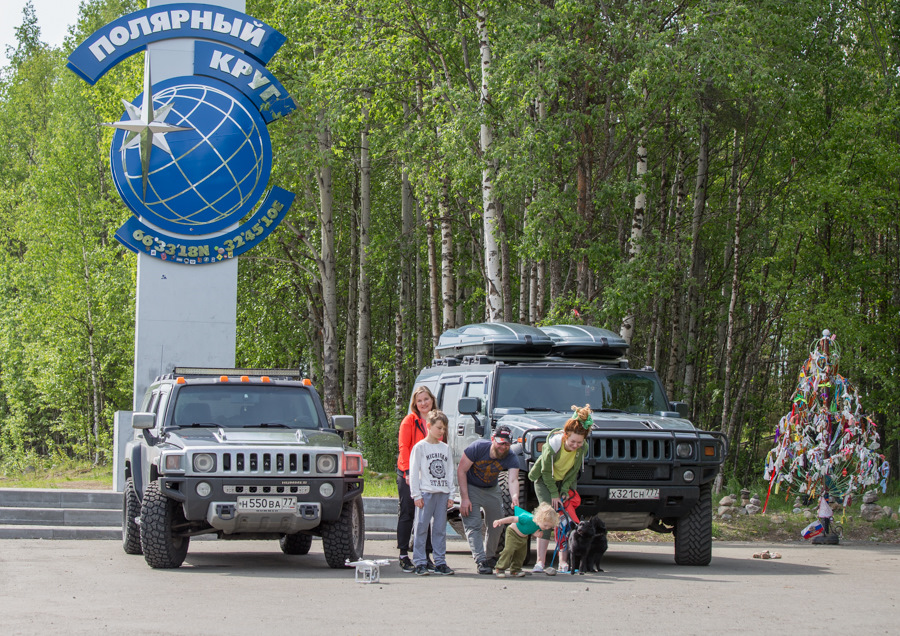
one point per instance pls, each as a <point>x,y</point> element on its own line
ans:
<point>309,512</point>
<point>225,511</point>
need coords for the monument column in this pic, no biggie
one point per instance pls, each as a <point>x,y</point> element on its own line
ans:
<point>184,316</point>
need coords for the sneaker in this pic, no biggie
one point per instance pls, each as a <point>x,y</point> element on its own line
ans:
<point>564,569</point>
<point>517,573</point>
<point>444,569</point>
<point>549,571</point>
<point>421,570</point>
<point>538,568</point>
<point>500,574</point>
<point>406,565</point>
<point>484,568</point>
<point>491,563</point>
<point>430,565</point>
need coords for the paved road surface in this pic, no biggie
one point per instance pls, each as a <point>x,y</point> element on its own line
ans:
<point>249,587</point>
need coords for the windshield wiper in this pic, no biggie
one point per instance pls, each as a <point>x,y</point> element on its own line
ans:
<point>266,425</point>
<point>540,408</point>
<point>608,410</point>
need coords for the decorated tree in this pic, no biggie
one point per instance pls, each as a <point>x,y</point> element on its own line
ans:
<point>826,446</point>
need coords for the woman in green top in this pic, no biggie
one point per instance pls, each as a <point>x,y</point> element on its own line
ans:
<point>556,470</point>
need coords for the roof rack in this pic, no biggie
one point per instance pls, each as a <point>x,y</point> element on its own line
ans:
<point>510,342</point>
<point>204,372</point>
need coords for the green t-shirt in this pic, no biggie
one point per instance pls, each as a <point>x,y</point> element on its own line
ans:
<point>525,524</point>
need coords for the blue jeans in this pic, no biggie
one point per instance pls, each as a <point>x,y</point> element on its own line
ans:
<point>432,515</point>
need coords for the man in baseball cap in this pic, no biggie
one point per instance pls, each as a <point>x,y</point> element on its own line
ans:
<point>477,475</point>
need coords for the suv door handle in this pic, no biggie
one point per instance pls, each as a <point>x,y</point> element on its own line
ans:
<point>461,429</point>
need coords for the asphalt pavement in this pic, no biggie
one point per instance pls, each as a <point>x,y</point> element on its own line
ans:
<point>247,587</point>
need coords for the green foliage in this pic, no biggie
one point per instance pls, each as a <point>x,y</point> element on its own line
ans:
<point>801,112</point>
<point>378,442</point>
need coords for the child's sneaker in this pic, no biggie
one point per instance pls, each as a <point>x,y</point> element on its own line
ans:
<point>538,568</point>
<point>421,570</point>
<point>407,565</point>
<point>500,574</point>
<point>444,569</point>
<point>549,571</point>
<point>564,569</point>
<point>517,573</point>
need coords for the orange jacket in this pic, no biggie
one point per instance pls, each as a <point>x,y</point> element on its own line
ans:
<point>412,429</point>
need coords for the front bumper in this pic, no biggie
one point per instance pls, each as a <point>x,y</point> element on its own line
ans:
<point>219,508</point>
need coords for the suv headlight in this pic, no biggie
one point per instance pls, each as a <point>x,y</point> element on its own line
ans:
<point>326,464</point>
<point>684,450</point>
<point>173,462</point>
<point>204,463</point>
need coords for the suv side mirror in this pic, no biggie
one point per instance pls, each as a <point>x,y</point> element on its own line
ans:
<point>143,421</point>
<point>343,423</point>
<point>472,406</point>
<point>469,405</point>
<point>682,408</point>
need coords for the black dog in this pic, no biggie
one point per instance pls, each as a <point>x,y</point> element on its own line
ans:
<point>581,538</point>
<point>599,545</point>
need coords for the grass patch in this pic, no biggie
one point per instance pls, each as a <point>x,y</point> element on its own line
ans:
<point>380,484</point>
<point>62,474</point>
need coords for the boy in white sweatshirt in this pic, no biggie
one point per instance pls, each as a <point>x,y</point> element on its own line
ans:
<point>431,483</point>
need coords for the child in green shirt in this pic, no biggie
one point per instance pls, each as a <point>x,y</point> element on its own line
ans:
<point>522,524</point>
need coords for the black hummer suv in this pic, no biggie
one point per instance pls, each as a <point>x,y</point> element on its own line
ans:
<point>646,466</point>
<point>242,454</point>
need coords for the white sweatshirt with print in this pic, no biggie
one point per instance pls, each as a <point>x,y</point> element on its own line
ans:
<point>431,469</point>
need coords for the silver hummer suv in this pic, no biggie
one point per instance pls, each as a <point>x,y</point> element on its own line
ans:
<point>241,454</point>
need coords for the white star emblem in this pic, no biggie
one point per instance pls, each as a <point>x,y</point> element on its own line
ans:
<point>146,127</point>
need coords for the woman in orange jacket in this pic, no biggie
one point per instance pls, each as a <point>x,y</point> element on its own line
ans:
<point>412,429</point>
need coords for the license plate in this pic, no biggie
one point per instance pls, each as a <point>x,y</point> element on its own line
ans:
<point>267,504</point>
<point>634,493</point>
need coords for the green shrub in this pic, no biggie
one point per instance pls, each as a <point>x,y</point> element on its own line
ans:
<point>378,443</point>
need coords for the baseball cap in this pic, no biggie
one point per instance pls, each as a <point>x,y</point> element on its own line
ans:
<point>502,433</point>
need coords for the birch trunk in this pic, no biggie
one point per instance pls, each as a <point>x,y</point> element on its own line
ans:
<point>677,312</point>
<point>626,330</point>
<point>433,283</point>
<point>349,392</point>
<point>327,273</point>
<point>365,214</point>
<point>729,338</point>
<point>448,282</point>
<point>696,223</point>
<point>493,281</point>
<point>405,324</point>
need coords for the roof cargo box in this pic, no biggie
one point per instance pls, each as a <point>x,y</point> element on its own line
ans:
<point>580,341</point>
<point>498,339</point>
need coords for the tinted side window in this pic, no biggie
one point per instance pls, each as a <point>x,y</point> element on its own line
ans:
<point>160,408</point>
<point>449,397</point>
<point>476,387</point>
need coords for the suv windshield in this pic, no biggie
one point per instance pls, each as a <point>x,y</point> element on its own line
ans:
<point>231,406</point>
<point>557,389</point>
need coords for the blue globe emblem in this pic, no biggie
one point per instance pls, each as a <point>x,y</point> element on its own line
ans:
<point>216,172</point>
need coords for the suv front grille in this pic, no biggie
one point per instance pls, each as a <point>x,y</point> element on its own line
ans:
<point>630,450</point>
<point>261,463</point>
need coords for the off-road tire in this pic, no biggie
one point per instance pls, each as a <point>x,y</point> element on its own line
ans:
<point>344,540</point>
<point>160,518</point>
<point>693,532</point>
<point>295,543</point>
<point>131,510</point>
